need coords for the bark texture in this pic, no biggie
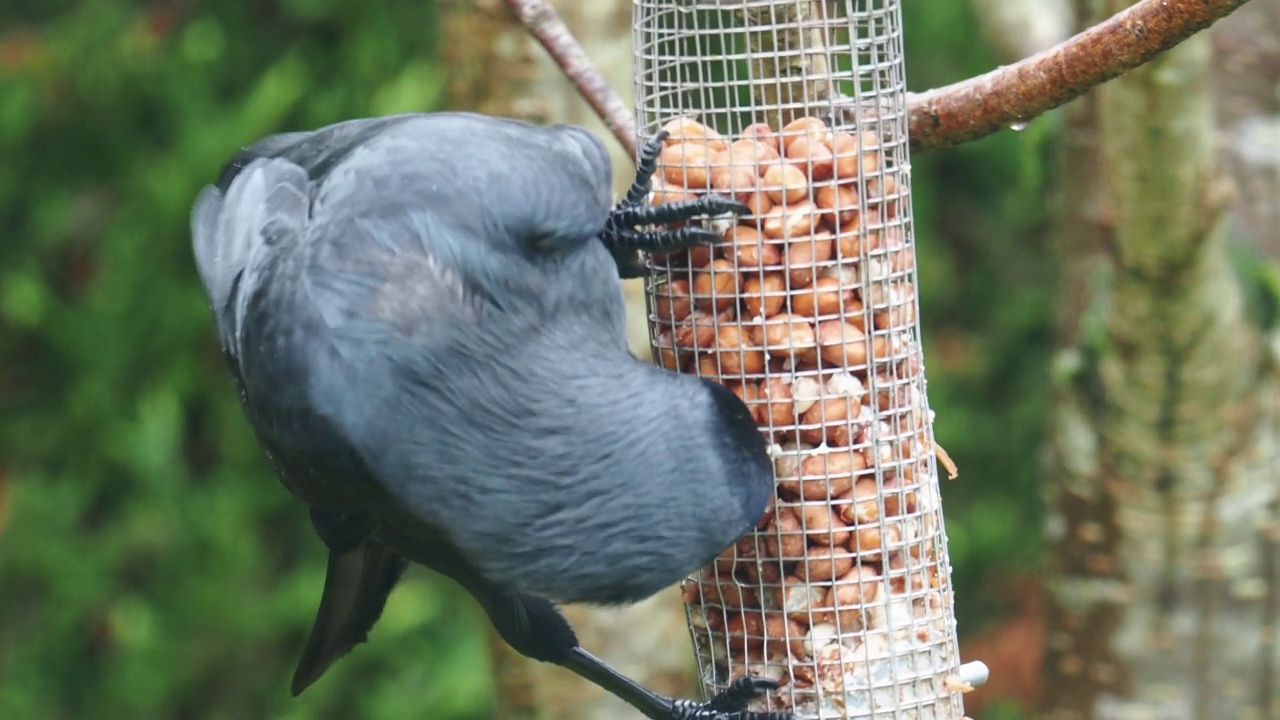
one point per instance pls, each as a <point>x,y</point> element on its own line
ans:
<point>510,74</point>
<point>1162,481</point>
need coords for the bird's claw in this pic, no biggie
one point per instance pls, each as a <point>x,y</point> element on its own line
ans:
<point>742,691</point>
<point>623,234</point>
<point>730,703</point>
<point>712,204</point>
<point>700,236</point>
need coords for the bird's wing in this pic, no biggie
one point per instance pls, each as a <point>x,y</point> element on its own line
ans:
<point>241,228</point>
<point>236,229</point>
<point>252,222</point>
<point>476,198</point>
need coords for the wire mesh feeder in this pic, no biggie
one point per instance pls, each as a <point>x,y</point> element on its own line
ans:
<point>809,313</point>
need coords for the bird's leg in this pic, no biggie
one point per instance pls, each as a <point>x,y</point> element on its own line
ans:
<point>646,165</point>
<point>727,705</point>
<point>534,627</point>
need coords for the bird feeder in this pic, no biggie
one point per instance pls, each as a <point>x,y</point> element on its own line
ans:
<point>808,312</point>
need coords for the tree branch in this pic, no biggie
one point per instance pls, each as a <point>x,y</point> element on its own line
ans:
<point>1016,94</point>
<point>544,23</point>
<point>964,111</point>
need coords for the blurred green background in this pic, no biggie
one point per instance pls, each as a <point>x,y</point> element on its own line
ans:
<point>150,564</point>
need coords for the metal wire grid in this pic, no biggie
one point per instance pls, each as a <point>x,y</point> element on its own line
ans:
<point>809,313</point>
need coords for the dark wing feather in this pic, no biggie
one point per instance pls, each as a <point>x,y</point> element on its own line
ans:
<point>233,235</point>
<point>242,230</point>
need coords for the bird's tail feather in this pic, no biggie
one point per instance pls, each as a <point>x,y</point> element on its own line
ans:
<point>356,586</point>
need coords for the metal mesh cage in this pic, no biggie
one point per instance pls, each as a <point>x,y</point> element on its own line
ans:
<point>808,311</point>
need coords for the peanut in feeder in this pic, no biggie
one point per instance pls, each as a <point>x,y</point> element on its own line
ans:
<point>808,312</point>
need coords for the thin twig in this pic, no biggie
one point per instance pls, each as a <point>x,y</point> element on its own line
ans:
<point>964,111</point>
<point>1014,95</point>
<point>544,23</point>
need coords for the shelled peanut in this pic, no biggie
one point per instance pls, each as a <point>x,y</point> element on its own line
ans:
<point>806,310</point>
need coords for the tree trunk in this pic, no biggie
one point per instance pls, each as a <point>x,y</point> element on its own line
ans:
<point>496,68</point>
<point>1161,479</point>
<point>1246,75</point>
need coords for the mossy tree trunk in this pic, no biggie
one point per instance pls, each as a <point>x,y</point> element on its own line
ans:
<point>1162,478</point>
<point>496,68</point>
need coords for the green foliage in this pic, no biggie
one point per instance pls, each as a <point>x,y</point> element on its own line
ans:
<point>1260,279</point>
<point>986,294</point>
<point>152,565</point>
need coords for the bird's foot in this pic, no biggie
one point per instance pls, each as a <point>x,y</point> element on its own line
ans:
<point>731,703</point>
<point>728,705</point>
<point>624,234</point>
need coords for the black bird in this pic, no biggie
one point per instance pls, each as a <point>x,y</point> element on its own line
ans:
<point>423,316</point>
